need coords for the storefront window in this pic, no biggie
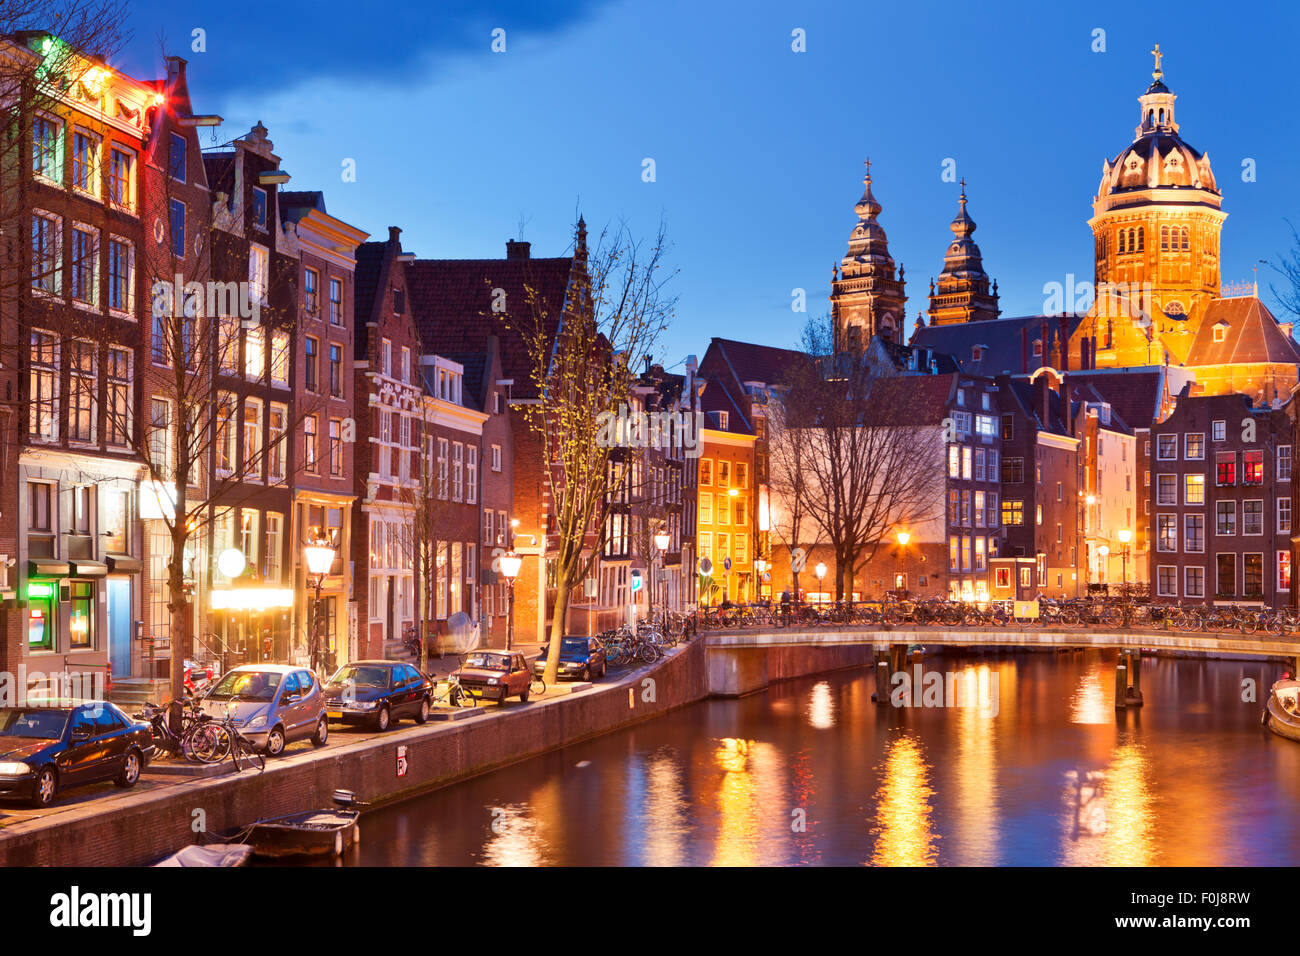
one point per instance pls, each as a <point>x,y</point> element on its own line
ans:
<point>81,623</point>
<point>41,597</point>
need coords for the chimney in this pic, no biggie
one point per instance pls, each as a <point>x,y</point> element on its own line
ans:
<point>394,233</point>
<point>1065,344</point>
<point>1047,399</point>
<point>1042,359</point>
<point>1024,350</point>
<point>517,250</point>
<point>175,69</point>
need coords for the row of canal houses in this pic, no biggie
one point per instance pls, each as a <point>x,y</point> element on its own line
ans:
<point>357,395</point>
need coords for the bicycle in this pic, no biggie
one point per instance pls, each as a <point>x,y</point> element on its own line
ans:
<point>456,695</point>
<point>197,740</point>
<point>240,747</point>
<point>537,687</point>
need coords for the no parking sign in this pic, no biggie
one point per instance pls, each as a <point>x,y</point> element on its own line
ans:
<point>401,760</point>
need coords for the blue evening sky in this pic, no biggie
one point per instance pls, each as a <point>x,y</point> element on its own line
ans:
<point>758,149</point>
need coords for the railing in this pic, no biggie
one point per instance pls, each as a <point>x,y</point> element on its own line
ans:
<point>1072,613</point>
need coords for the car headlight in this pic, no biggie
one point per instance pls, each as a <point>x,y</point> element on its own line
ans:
<point>494,680</point>
<point>365,704</point>
<point>259,721</point>
<point>15,768</point>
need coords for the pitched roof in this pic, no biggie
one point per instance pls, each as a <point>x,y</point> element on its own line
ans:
<point>1250,334</point>
<point>452,301</point>
<point>1135,394</point>
<point>911,400</point>
<point>750,362</point>
<point>1001,340</point>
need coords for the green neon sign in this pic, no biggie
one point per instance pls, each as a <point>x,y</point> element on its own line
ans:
<point>38,589</point>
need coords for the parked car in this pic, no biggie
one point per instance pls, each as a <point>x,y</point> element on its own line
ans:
<point>47,748</point>
<point>377,692</point>
<point>495,675</point>
<point>580,657</point>
<point>272,705</point>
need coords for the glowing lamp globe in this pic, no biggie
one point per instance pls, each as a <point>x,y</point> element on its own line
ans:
<point>510,565</point>
<point>320,558</point>
<point>231,562</point>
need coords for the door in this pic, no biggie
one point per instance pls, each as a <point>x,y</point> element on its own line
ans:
<point>119,625</point>
<point>81,761</point>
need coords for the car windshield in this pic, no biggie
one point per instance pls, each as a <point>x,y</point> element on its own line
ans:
<point>246,685</point>
<point>496,662</point>
<point>573,645</point>
<point>363,676</point>
<point>31,722</point>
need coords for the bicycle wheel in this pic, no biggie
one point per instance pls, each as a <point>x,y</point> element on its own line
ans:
<point>253,756</point>
<point>537,688</point>
<point>206,743</point>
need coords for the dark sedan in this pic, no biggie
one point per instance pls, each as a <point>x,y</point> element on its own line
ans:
<point>580,657</point>
<point>47,748</point>
<point>378,693</point>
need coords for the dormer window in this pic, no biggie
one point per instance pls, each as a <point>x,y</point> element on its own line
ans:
<point>1038,348</point>
<point>1221,332</point>
<point>976,353</point>
<point>723,420</point>
<point>259,207</point>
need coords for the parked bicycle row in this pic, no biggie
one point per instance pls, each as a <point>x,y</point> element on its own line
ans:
<point>1045,612</point>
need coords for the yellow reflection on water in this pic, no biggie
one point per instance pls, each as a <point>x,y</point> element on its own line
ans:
<point>1108,820</point>
<point>515,839</point>
<point>1090,704</point>
<point>821,706</point>
<point>976,824</point>
<point>903,831</point>
<point>667,812</point>
<point>749,803</point>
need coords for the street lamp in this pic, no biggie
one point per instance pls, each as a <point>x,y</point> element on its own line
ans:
<point>1125,535</point>
<point>903,538</point>
<point>760,566</point>
<point>662,540</point>
<point>1103,552</point>
<point>510,565</point>
<point>320,559</point>
<point>821,573</point>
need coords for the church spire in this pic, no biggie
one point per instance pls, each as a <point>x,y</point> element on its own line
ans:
<point>867,298</point>
<point>963,288</point>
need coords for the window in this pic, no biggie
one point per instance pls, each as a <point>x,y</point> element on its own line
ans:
<point>1252,467</point>
<point>160,438</point>
<point>273,547</point>
<point>457,471</point>
<point>85,162</point>
<point>1166,447</point>
<point>1194,445</point>
<point>336,447</point>
<point>1193,489</point>
<point>991,512</point>
<point>1013,471</point>
<point>259,208</point>
<point>1013,512</point>
<point>386,357</point>
<point>1284,515</point>
<point>178,228</point>
<point>83,382</point>
<point>1283,462</point>
<point>336,371</point>
<point>1253,567</point>
<point>406,364</point>
<point>224,438</point>
<point>1252,517</point>
<point>81,621</point>
<point>981,558</point>
<point>47,149</point>
<point>40,519</point>
<point>1167,581</point>
<point>1194,533</point>
<point>442,468</point>
<point>118,417</point>
<point>1225,469</point>
<point>310,291</point>
<point>706,472</point>
<point>1225,522</point>
<point>176,156</point>
<point>280,358</point>
<point>309,436</point>
<point>1167,532</point>
<point>336,302</point>
<point>85,265</point>
<point>278,422</point>
<point>1002,577</point>
<point>1226,581</point>
<point>954,461</point>
<point>311,359</point>
<point>255,353</point>
<point>742,474</point>
<point>121,178</point>
<point>249,539</point>
<point>723,512</point>
<point>43,400</point>
<point>1166,489</point>
<point>1218,430</point>
<point>501,527</point>
<point>1284,570</point>
<point>1008,428</point>
<point>978,509</point>
<point>47,254</point>
<point>496,459</point>
<point>954,553</point>
<point>706,509</point>
<point>723,420</point>
<point>121,269</point>
<point>259,272</point>
<point>471,474</point>
<point>252,439</point>
<point>1194,582</point>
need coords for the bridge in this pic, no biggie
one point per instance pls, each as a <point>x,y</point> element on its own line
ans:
<point>742,661</point>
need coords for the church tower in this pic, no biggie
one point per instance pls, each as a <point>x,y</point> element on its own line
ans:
<point>866,298</point>
<point>1155,225</point>
<point>963,294</point>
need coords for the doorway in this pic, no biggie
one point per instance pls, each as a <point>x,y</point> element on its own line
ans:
<point>119,625</point>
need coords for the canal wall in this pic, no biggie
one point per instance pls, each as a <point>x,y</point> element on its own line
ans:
<point>135,828</point>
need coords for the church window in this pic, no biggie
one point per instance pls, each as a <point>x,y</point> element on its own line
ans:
<point>1186,238</point>
<point>1164,237</point>
<point>1121,241</point>
<point>1141,237</point>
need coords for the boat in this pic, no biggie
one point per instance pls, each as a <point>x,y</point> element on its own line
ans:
<point>1282,712</point>
<point>311,833</point>
<point>215,854</point>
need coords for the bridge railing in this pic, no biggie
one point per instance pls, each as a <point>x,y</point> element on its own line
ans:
<point>1045,612</point>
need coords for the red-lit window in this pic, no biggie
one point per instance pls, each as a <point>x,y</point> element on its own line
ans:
<point>1252,468</point>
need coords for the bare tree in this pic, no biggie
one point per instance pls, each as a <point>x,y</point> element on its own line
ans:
<point>583,364</point>
<point>1288,267</point>
<point>871,464</point>
<point>790,480</point>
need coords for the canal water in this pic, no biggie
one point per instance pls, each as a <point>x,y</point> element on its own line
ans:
<point>1031,765</point>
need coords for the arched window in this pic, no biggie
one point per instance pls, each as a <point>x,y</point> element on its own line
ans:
<point>1121,241</point>
<point>1151,116</point>
<point>1162,116</point>
<point>1187,234</point>
<point>1164,237</point>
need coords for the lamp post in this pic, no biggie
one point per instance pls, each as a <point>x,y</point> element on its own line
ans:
<point>759,567</point>
<point>661,540</point>
<point>1103,552</point>
<point>320,558</point>
<point>510,565</point>
<point>903,538</point>
<point>1125,535</point>
<point>821,573</point>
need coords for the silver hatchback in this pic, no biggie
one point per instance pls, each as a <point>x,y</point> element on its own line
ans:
<point>271,704</point>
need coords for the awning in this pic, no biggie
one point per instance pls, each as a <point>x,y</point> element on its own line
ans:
<point>123,564</point>
<point>47,568</point>
<point>89,569</point>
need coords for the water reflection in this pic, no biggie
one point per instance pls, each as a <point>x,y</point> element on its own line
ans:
<point>812,772</point>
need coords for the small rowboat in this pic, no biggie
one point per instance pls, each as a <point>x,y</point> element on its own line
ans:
<point>216,854</point>
<point>1282,712</point>
<point>311,833</point>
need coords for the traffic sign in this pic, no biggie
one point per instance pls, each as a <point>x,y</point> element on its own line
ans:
<point>636,581</point>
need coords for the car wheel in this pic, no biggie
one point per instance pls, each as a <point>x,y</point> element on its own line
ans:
<point>523,696</point>
<point>275,741</point>
<point>46,788</point>
<point>603,666</point>
<point>383,719</point>
<point>130,769</point>
<point>322,734</point>
<point>422,714</point>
